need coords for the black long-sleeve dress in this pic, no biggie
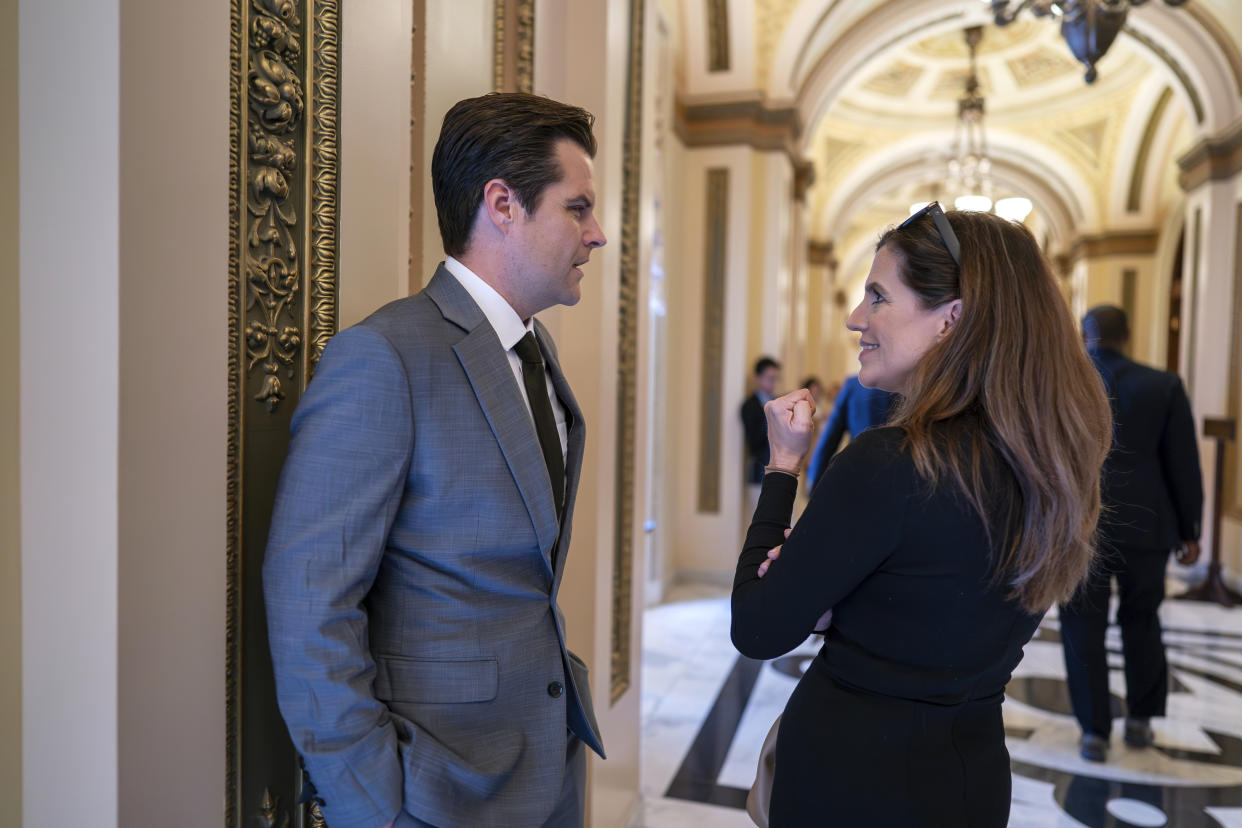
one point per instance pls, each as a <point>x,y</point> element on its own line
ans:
<point>897,720</point>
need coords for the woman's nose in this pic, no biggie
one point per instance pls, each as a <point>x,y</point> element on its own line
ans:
<point>856,321</point>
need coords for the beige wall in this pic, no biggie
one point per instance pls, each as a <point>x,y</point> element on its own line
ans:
<point>173,412</point>
<point>375,152</point>
<point>1207,319</point>
<point>123,364</point>
<point>459,65</point>
<point>10,445</point>
<point>705,545</point>
<point>70,281</point>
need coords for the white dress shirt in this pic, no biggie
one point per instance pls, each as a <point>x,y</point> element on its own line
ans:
<point>509,328</point>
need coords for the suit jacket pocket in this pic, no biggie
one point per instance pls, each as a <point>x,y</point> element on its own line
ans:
<point>436,681</point>
<point>582,685</point>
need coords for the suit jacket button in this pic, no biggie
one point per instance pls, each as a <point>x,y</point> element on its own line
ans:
<point>555,689</point>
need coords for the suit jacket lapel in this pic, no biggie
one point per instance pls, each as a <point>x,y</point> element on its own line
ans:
<point>491,377</point>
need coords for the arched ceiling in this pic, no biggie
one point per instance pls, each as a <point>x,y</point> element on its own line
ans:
<point>876,84</point>
<point>1053,138</point>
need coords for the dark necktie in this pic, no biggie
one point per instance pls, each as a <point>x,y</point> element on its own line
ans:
<point>536,383</point>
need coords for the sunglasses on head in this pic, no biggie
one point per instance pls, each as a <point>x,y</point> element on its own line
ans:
<point>943,227</point>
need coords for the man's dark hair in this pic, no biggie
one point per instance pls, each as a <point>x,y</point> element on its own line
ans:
<point>764,364</point>
<point>1106,326</point>
<point>506,135</point>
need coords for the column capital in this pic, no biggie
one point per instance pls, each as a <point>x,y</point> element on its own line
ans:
<point>1214,158</point>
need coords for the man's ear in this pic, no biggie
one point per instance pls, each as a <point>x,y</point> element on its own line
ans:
<point>950,313</point>
<point>500,204</point>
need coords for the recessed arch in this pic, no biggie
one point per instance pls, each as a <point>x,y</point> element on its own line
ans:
<point>1020,163</point>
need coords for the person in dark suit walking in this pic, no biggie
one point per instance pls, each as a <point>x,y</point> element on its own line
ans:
<point>424,512</point>
<point>857,408</point>
<point>1153,496</point>
<point>755,426</point>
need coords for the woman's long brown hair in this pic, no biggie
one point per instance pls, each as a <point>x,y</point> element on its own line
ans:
<point>1010,381</point>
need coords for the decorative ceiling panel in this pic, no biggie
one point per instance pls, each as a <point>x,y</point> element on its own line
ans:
<point>896,79</point>
<point>1040,66</point>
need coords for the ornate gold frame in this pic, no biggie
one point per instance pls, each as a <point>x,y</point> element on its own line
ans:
<point>717,35</point>
<point>711,385</point>
<point>513,46</point>
<point>1232,498</point>
<point>627,363</point>
<point>283,168</point>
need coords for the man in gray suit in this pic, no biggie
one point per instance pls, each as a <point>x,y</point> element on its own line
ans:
<point>424,511</point>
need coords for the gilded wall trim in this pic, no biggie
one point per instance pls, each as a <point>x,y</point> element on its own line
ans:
<point>1212,159</point>
<point>1134,199</point>
<point>711,381</point>
<point>1232,499</point>
<point>324,167</point>
<point>513,46</point>
<point>623,554</point>
<point>232,555</point>
<point>283,200</point>
<point>717,35</point>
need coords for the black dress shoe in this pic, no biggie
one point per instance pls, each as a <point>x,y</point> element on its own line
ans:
<point>1139,733</point>
<point>1094,748</point>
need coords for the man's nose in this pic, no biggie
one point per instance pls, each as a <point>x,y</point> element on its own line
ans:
<point>594,236</point>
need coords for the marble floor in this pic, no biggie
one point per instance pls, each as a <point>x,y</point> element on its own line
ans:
<point>706,710</point>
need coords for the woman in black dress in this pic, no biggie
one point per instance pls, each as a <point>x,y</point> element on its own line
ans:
<point>938,541</point>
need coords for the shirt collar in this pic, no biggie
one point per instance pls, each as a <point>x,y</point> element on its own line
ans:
<point>504,320</point>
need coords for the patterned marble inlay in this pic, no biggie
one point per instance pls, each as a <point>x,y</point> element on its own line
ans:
<point>1191,777</point>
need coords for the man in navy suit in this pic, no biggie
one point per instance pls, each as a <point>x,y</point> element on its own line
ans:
<point>857,408</point>
<point>424,512</point>
<point>1153,501</point>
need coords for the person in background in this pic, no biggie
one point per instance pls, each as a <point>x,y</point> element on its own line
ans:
<point>938,542</point>
<point>767,377</point>
<point>857,408</point>
<point>1153,496</point>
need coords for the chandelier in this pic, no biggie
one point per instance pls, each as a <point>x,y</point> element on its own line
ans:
<point>970,179</point>
<point>1088,26</point>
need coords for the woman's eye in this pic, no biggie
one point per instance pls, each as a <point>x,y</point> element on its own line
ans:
<point>876,298</point>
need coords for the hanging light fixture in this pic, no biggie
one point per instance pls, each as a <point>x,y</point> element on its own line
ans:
<point>970,179</point>
<point>1088,26</point>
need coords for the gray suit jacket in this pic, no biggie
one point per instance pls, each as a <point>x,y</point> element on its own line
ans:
<point>410,594</point>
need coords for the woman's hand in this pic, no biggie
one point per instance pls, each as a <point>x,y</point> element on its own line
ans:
<point>773,554</point>
<point>791,428</point>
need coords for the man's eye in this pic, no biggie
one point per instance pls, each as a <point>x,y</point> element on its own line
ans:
<point>876,298</point>
<point>577,210</point>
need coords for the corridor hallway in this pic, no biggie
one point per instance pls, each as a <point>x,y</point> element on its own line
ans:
<point>706,710</point>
